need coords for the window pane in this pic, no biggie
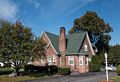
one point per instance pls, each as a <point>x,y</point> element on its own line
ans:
<point>81,60</point>
<point>85,47</point>
<point>70,62</point>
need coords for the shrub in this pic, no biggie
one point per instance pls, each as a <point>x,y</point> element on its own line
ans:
<point>94,67</point>
<point>35,69</point>
<point>63,71</point>
<point>52,69</point>
<point>4,71</point>
<point>118,70</point>
<point>40,70</point>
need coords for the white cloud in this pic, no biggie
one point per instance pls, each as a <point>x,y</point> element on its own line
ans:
<point>84,2</point>
<point>35,3</point>
<point>8,9</point>
<point>62,7</point>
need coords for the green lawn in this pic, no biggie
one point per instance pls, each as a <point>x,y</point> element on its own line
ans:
<point>116,78</point>
<point>16,79</point>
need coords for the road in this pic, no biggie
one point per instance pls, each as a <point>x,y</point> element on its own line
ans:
<point>75,77</point>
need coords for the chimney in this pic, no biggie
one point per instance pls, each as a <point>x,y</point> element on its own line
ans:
<point>62,46</point>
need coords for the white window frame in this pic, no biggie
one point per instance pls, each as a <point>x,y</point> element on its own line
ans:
<point>87,59</point>
<point>81,59</point>
<point>70,58</point>
<point>42,60</point>
<point>85,47</point>
<point>54,59</point>
<point>48,60</point>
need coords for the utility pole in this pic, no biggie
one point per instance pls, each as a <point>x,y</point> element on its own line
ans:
<point>106,66</point>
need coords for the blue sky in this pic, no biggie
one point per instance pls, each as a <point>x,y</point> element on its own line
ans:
<point>50,15</point>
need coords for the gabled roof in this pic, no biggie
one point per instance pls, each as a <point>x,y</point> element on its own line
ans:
<point>72,41</point>
<point>54,40</point>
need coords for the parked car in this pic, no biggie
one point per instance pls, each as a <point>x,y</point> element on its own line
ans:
<point>111,68</point>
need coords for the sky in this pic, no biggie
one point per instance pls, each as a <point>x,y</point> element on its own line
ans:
<point>50,15</point>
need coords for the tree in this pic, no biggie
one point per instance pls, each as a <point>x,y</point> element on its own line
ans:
<point>17,42</point>
<point>96,27</point>
<point>4,40</point>
<point>114,55</point>
<point>18,45</point>
<point>39,49</point>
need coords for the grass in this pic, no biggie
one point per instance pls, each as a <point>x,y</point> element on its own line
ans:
<point>16,79</point>
<point>116,78</point>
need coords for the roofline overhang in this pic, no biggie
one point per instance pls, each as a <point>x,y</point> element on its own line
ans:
<point>49,41</point>
<point>90,44</point>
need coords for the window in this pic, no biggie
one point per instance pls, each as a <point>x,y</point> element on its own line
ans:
<point>54,59</point>
<point>86,62</point>
<point>70,60</point>
<point>85,47</point>
<point>42,60</point>
<point>81,60</point>
<point>49,61</point>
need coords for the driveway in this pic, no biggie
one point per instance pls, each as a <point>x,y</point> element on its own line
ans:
<point>75,77</point>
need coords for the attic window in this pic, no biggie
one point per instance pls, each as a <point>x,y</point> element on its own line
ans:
<point>85,47</point>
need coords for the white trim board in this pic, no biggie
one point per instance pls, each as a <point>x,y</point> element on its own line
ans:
<point>90,43</point>
<point>49,41</point>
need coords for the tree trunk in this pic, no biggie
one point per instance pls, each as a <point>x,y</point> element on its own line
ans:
<point>17,71</point>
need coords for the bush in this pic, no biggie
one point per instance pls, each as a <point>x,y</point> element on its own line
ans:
<point>35,69</point>
<point>45,70</point>
<point>4,71</point>
<point>52,69</point>
<point>63,71</point>
<point>94,67</point>
<point>118,70</point>
<point>40,70</point>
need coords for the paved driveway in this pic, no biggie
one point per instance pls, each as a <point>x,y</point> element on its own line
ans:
<point>75,77</point>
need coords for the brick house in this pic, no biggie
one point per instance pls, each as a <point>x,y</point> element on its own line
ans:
<point>72,50</point>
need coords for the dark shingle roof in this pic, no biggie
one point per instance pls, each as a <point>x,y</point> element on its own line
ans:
<point>73,42</point>
<point>54,40</point>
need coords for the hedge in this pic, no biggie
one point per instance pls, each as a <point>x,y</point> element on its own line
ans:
<point>4,71</point>
<point>63,71</point>
<point>46,70</point>
<point>41,69</point>
<point>118,70</point>
<point>94,67</point>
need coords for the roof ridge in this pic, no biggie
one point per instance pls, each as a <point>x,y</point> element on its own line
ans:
<point>51,33</point>
<point>76,33</point>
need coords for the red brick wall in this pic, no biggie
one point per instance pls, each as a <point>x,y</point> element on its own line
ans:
<point>50,52</point>
<point>83,68</point>
<point>75,61</point>
<point>76,66</point>
<point>87,43</point>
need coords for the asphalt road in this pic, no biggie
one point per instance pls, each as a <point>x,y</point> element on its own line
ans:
<point>75,77</point>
